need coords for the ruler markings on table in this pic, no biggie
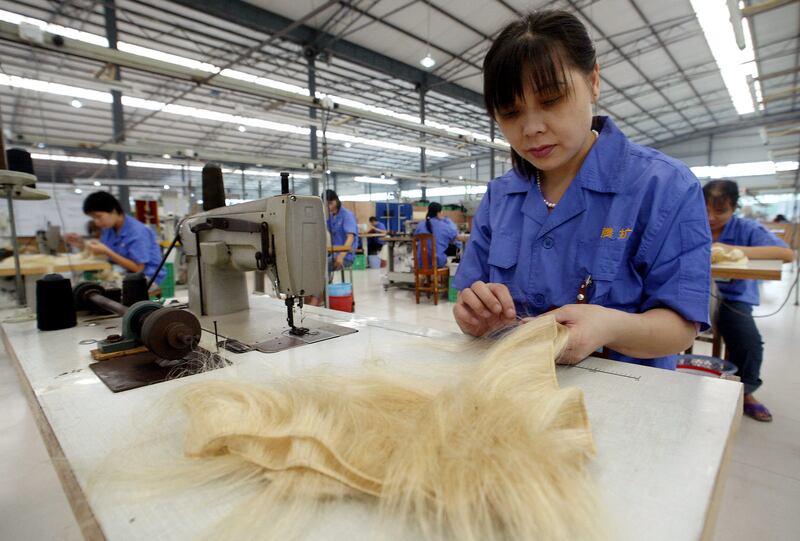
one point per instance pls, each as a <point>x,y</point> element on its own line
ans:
<point>592,369</point>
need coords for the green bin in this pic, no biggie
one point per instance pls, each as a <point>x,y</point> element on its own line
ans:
<point>452,293</point>
<point>360,262</point>
<point>168,284</point>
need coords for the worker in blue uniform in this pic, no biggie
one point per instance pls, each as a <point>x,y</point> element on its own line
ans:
<point>374,244</point>
<point>738,297</point>
<point>610,237</point>
<point>124,240</point>
<point>443,230</point>
<point>343,228</point>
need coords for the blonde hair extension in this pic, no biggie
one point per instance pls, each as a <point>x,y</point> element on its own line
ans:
<point>500,453</point>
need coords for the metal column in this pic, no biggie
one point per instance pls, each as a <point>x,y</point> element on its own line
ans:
<point>117,114</point>
<point>244,192</point>
<point>422,154</point>
<point>795,238</point>
<point>312,114</point>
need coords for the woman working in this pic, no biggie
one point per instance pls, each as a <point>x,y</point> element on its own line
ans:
<point>123,239</point>
<point>735,319</point>
<point>611,236</point>
<point>343,229</point>
<point>443,230</point>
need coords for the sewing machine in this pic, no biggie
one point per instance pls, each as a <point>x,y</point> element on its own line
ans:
<point>283,236</point>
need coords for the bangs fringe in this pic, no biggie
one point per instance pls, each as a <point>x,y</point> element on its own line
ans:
<point>528,60</point>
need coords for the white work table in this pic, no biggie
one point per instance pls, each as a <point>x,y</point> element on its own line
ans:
<point>662,437</point>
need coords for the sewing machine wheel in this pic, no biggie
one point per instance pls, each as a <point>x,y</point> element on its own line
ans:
<point>171,333</point>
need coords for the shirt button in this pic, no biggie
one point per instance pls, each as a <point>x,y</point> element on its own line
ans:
<point>538,299</point>
<point>548,242</point>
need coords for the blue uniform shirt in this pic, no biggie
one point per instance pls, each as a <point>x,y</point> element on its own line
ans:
<point>633,218</point>
<point>457,243</point>
<point>444,232</point>
<point>743,232</point>
<point>339,225</point>
<point>382,226</point>
<point>136,242</point>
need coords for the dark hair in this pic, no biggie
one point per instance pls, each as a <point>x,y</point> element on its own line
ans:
<point>330,195</point>
<point>433,211</point>
<point>537,50</point>
<point>373,218</point>
<point>101,202</point>
<point>721,193</point>
<point>780,218</point>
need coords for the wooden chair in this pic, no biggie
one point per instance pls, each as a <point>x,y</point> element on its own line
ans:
<point>428,277</point>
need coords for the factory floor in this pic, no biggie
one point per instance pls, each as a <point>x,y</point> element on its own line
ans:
<point>760,499</point>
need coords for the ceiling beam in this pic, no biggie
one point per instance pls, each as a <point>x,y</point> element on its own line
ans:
<point>738,125</point>
<point>259,19</point>
<point>780,73</point>
<point>755,9</point>
<point>52,42</point>
<point>234,159</point>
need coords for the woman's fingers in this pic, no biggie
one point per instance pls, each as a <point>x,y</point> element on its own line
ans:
<point>503,295</point>
<point>475,302</point>
<point>466,318</point>
<point>488,294</point>
<point>482,307</point>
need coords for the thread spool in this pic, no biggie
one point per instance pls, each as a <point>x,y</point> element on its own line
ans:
<point>213,187</point>
<point>55,305</point>
<point>19,160</point>
<point>134,288</point>
<point>284,182</point>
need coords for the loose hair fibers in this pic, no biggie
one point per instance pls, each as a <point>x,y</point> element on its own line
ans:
<point>499,453</point>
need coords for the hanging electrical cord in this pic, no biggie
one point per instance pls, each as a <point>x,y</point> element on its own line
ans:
<point>166,254</point>
<point>326,116</point>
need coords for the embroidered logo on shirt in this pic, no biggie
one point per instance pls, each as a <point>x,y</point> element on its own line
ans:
<point>608,233</point>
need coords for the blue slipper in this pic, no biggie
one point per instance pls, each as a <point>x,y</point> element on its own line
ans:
<point>759,412</point>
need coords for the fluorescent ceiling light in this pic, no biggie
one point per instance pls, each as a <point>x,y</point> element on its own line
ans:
<point>159,165</point>
<point>97,183</point>
<point>194,112</point>
<point>78,191</point>
<point>445,191</point>
<point>385,196</point>
<point>375,180</point>
<point>76,103</point>
<point>750,169</point>
<point>472,165</point>
<point>236,74</point>
<point>734,64</point>
<point>166,156</point>
<point>166,57</point>
<point>75,159</point>
<point>263,81</point>
<point>427,62</point>
<point>242,129</point>
<point>348,144</point>
<point>166,186</point>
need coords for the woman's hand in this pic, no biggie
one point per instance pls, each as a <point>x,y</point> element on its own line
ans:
<point>98,248</point>
<point>590,328</point>
<point>73,239</point>
<point>482,308</point>
<point>338,262</point>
